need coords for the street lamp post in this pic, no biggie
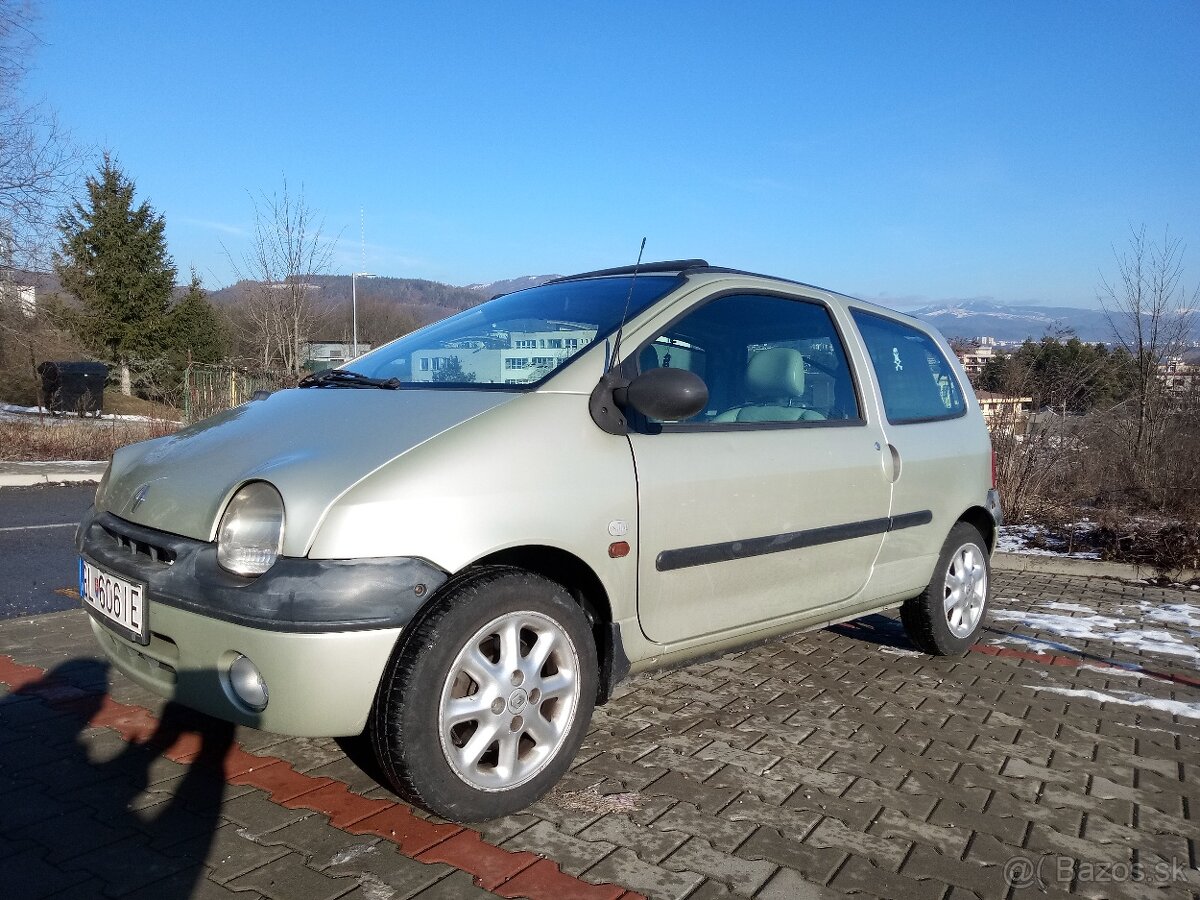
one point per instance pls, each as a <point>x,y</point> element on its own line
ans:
<point>354,310</point>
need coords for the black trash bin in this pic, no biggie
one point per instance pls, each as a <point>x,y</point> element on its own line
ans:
<point>73,387</point>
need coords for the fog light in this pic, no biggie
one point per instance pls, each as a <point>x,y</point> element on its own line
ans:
<point>247,682</point>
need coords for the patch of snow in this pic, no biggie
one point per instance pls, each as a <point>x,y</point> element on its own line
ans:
<point>1121,631</point>
<point>1120,671</point>
<point>11,413</point>
<point>1068,626</point>
<point>1016,538</point>
<point>1041,645</point>
<point>1173,614</point>
<point>1157,642</point>
<point>1129,698</point>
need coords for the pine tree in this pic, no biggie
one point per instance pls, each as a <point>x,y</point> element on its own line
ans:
<point>114,259</point>
<point>195,329</point>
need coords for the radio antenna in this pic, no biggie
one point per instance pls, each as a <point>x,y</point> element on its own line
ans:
<point>612,360</point>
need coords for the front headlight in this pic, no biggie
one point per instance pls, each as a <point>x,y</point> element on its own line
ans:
<point>251,532</point>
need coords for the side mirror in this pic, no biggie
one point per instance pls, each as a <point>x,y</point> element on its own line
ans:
<point>667,395</point>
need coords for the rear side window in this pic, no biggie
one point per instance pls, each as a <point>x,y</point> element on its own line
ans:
<point>914,377</point>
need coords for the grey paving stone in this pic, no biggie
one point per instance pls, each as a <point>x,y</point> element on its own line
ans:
<point>457,886</point>
<point>192,883</point>
<point>623,867</point>
<point>319,841</point>
<point>288,878</point>
<point>229,852</point>
<point>29,875</point>
<point>574,855</point>
<point>258,815</point>
<point>927,863</point>
<point>816,864</point>
<point>769,789</point>
<point>75,834</point>
<point>698,855</point>
<point>650,844</point>
<point>886,853</point>
<point>795,823</point>
<point>723,832</point>
<point>114,865</point>
<point>789,885</point>
<point>860,876</point>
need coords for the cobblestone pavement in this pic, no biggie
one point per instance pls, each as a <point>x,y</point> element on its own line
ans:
<point>1059,758</point>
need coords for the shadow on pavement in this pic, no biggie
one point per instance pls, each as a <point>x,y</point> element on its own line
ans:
<point>875,629</point>
<point>85,810</point>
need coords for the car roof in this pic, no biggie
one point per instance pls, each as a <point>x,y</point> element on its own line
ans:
<point>687,268</point>
<point>697,269</point>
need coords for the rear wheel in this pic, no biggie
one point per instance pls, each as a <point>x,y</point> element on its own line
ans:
<point>488,698</point>
<point>948,615</point>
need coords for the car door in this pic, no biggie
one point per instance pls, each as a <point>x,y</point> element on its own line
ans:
<point>941,453</point>
<point>772,501</point>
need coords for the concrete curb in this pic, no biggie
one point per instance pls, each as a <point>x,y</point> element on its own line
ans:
<point>1063,565</point>
<point>23,474</point>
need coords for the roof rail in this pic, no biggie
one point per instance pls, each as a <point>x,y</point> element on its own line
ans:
<point>671,265</point>
<point>722,270</point>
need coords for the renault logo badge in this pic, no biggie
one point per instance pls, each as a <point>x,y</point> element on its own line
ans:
<point>139,497</point>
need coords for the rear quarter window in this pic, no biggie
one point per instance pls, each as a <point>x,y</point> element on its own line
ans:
<point>916,381</point>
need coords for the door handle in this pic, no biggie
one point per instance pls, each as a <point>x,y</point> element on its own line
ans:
<point>896,462</point>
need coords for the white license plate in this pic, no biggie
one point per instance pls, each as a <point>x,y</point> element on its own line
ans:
<point>117,601</point>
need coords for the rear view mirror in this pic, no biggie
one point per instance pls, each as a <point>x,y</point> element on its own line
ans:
<point>667,395</point>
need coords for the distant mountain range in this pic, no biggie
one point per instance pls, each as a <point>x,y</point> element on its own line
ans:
<point>495,288</point>
<point>1004,322</point>
<point>970,319</point>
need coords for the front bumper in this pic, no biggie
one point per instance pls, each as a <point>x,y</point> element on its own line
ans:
<point>319,631</point>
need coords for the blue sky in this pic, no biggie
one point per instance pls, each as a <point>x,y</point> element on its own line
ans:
<point>904,152</point>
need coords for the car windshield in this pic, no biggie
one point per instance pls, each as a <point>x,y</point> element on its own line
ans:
<point>517,339</point>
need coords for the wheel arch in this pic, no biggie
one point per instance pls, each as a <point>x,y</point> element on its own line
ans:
<point>584,585</point>
<point>983,522</point>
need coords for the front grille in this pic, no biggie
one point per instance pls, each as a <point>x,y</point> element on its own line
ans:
<point>162,555</point>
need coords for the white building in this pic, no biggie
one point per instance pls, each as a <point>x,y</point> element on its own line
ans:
<point>515,357</point>
<point>23,296</point>
<point>321,355</point>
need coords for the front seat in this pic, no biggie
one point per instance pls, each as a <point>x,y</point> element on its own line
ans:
<point>775,384</point>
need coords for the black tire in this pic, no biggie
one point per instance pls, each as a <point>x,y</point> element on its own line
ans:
<point>926,620</point>
<point>424,756</point>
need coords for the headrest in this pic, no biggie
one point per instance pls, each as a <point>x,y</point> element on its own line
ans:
<point>778,372</point>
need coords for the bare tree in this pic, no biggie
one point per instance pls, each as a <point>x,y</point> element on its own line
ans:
<point>1151,315</point>
<point>38,162</point>
<point>280,308</point>
<point>1038,447</point>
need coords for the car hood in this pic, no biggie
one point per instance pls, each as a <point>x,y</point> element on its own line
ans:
<point>312,444</point>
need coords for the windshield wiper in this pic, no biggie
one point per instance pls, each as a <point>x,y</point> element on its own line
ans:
<point>346,378</point>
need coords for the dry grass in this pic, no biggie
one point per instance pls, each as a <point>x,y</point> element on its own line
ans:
<point>54,439</point>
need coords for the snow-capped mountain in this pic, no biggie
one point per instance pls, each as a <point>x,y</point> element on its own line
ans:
<point>979,318</point>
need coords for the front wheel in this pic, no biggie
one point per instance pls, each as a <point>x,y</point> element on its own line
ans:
<point>488,698</point>
<point>946,618</point>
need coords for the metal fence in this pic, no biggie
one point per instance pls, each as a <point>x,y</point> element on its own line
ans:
<point>212,389</point>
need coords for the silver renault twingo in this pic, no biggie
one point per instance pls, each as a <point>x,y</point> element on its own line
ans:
<point>463,540</point>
